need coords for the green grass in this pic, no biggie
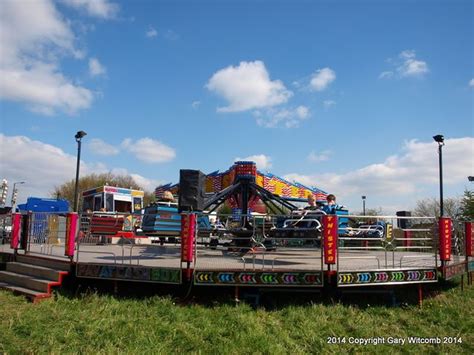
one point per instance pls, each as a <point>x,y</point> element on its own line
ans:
<point>104,324</point>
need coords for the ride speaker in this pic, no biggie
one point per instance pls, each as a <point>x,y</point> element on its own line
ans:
<point>402,222</point>
<point>191,190</point>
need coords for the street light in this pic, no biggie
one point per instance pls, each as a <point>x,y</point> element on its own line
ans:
<point>440,140</point>
<point>15,194</point>
<point>4,192</point>
<point>470,178</point>
<point>363,205</point>
<point>79,135</point>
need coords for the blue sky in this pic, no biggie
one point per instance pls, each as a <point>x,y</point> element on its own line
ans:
<point>343,95</point>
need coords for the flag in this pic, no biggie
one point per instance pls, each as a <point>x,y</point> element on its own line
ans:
<point>321,196</point>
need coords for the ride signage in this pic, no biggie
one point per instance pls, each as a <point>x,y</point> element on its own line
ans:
<point>15,231</point>
<point>188,229</point>
<point>469,229</point>
<point>445,226</point>
<point>330,226</point>
<point>71,230</point>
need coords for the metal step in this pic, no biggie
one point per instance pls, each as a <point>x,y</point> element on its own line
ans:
<point>31,294</point>
<point>34,270</point>
<point>45,262</point>
<point>26,281</point>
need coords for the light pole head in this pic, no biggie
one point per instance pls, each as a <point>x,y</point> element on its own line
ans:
<point>470,178</point>
<point>15,194</point>
<point>79,135</point>
<point>439,138</point>
<point>364,197</point>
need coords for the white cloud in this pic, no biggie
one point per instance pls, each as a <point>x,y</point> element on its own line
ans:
<point>47,166</point>
<point>406,66</point>
<point>170,35</point>
<point>98,146</point>
<point>96,68</point>
<point>316,158</point>
<point>33,39</point>
<point>328,104</point>
<point>407,54</point>
<point>289,118</point>
<point>44,89</point>
<point>263,161</point>
<point>408,176</point>
<point>196,104</point>
<point>321,79</point>
<point>386,75</point>
<point>247,86</point>
<point>413,67</point>
<point>145,183</point>
<point>98,8</point>
<point>302,112</point>
<point>152,32</point>
<point>149,150</point>
<point>471,83</point>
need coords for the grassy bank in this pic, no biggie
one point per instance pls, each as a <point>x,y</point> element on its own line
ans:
<point>105,324</point>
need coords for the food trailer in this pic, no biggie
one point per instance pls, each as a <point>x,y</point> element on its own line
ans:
<point>112,199</point>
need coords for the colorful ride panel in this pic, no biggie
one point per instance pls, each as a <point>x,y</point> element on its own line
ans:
<point>162,218</point>
<point>372,278</point>
<point>450,271</point>
<point>129,273</point>
<point>218,181</point>
<point>259,278</point>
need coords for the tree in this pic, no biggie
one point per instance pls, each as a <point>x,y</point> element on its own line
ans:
<point>467,205</point>
<point>66,190</point>
<point>429,207</point>
<point>373,212</point>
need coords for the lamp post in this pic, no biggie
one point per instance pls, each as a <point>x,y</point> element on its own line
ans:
<point>363,205</point>
<point>440,140</point>
<point>78,137</point>
<point>4,192</point>
<point>15,194</point>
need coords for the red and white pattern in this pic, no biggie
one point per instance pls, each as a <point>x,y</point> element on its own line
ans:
<point>217,183</point>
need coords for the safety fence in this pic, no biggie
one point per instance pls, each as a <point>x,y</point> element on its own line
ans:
<point>44,233</point>
<point>5,228</point>
<point>118,239</point>
<point>381,242</point>
<point>265,242</point>
<point>294,249</point>
<point>263,250</point>
<point>256,248</point>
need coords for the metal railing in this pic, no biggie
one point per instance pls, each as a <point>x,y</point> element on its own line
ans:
<point>120,235</point>
<point>391,239</point>
<point>5,228</point>
<point>266,242</point>
<point>46,233</point>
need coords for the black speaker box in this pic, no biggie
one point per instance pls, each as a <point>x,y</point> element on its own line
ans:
<point>191,190</point>
<point>403,223</point>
